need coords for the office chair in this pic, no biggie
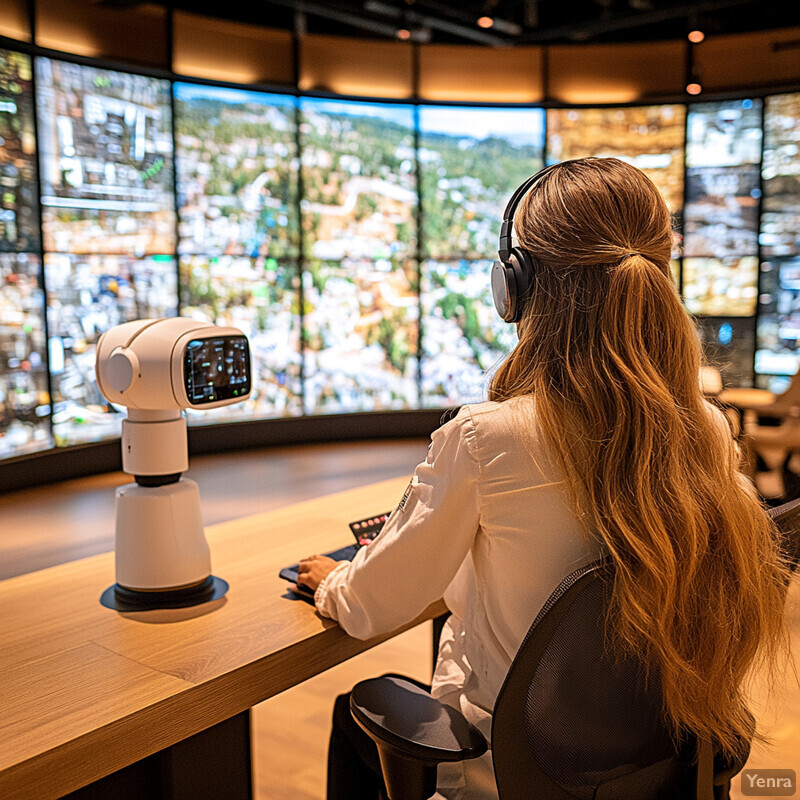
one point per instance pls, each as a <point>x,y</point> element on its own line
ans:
<point>571,721</point>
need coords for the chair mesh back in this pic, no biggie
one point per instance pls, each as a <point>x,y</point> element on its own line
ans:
<point>589,719</point>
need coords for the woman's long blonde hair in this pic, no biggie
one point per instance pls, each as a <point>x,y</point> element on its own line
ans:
<point>612,360</point>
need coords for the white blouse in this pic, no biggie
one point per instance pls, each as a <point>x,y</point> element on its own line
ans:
<point>485,523</point>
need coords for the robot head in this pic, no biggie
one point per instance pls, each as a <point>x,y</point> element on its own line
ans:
<point>173,363</point>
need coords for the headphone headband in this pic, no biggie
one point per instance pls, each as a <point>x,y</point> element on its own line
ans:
<point>513,275</point>
<point>508,215</point>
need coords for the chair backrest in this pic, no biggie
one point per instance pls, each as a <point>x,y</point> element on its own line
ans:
<point>575,721</point>
<point>579,723</point>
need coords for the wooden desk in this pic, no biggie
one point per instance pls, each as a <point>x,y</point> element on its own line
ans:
<point>86,691</point>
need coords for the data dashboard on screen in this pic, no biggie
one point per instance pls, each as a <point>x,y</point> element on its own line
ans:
<point>105,160</point>
<point>471,161</point>
<point>651,138</point>
<point>237,171</point>
<point>361,332</point>
<point>19,200</point>
<point>463,338</point>
<point>259,296</point>
<point>359,180</point>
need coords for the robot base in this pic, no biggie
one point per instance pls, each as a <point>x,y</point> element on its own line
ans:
<point>120,598</point>
<point>162,557</point>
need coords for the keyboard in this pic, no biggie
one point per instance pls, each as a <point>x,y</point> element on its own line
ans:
<point>364,530</point>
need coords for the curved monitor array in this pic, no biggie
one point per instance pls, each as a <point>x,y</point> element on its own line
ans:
<point>351,241</point>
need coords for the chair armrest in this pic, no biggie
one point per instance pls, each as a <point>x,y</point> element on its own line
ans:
<point>398,714</point>
<point>413,732</point>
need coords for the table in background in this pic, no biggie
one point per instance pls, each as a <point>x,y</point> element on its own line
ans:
<point>159,701</point>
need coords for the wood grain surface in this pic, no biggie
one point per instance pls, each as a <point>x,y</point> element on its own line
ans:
<point>87,690</point>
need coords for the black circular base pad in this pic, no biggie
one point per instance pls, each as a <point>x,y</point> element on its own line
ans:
<point>121,598</point>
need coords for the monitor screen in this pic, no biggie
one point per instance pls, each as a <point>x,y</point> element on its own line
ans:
<point>724,134</point>
<point>236,158</point>
<point>105,155</point>
<point>19,195</point>
<point>86,296</point>
<point>361,331</point>
<point>260,298</point>
<point>649,137</point>
<point>24,398</point>
<point>471,161</point>
<point>216,368</point>
<point>463,337</point>
<point>780,219</point>
<point>777,350</point>
<point>359,180</point>
<point>723,182</point>
<point>721,214</point>
<point>721,286</point>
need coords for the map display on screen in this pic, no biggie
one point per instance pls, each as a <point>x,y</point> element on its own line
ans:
<point>105,157</point>
<point>721,286</point>
<point>19,194</point>
<point>651,138</point>
<point>463,337</point>
<point>780,218</point>
<point>471,161</point>
<point>237,169</point>
<point>24,398</point>
<point>361,333</point>
<point>86,296</point>
<point>359,180</point>
<point>260,298</point>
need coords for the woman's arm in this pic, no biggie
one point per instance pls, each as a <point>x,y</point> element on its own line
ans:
<point>418,552</point>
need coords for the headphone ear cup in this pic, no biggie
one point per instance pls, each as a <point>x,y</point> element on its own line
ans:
<point>504,290</point>
<point>511,281</point>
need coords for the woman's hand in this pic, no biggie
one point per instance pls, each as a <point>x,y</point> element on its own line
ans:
<point>313,570</point>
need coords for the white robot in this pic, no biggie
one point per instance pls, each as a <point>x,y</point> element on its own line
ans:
<point>157,368</point>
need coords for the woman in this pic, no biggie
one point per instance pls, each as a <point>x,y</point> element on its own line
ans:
<point>596,440</point>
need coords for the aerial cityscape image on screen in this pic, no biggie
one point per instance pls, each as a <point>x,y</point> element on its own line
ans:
<point>350,239</point>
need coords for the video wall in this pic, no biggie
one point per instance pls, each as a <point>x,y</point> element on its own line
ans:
<point>350,241</point>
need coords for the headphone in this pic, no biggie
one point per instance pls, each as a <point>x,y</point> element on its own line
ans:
<point>512,275</point>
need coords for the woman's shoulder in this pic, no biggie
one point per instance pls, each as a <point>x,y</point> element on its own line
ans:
<point>493,418</point>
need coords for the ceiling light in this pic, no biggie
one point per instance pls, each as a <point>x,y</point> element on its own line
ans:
<point>694,88</point>
<point>485,22</point>
<point>695,36</point>
<point>404,34</point>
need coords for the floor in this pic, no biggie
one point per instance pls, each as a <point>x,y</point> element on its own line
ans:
<point>53,524</point>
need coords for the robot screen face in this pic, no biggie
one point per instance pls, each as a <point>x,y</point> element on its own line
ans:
<point>216,368</point>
